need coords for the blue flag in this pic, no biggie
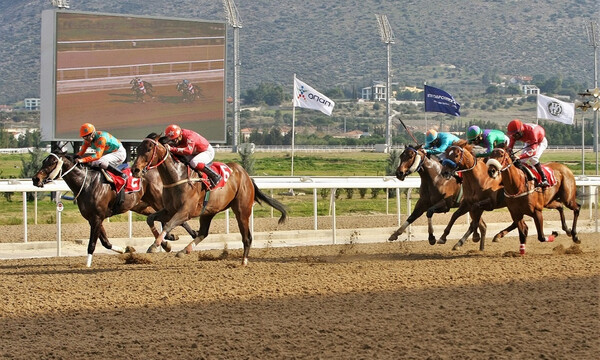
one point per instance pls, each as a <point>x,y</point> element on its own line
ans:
<point>437,100</point>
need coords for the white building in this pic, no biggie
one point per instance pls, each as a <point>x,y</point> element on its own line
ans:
<point>32,103</point>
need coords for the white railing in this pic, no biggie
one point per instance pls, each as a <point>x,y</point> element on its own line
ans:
<point>589,185</point>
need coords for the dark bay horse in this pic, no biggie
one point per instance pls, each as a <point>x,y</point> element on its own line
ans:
<point>523,198</point>
<point>437,194</point>
<point>138,92</point>
<point>189,96</point>
<point>96,197</point>
<point>480,192</point>
<point>185,197</point>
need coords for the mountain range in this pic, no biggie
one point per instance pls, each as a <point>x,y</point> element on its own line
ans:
<point>336,43</point>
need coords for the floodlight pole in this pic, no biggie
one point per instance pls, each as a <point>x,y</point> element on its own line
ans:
<point>594,40</point>
<point>387,36</point>
<point>235,21</point>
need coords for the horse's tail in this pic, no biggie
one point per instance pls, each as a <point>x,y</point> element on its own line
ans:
<point>260,196</point>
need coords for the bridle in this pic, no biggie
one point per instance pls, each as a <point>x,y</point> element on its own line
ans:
<point>149,165</point>
<point>454,165</point>
<point>417,162</point>
<point>58,172</point>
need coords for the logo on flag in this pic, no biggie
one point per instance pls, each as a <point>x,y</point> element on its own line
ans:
<point>437,100</point>
<point>553,109</point>
<point>307,97</point>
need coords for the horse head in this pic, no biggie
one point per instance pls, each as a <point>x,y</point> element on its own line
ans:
<point>51,167</point>
<point>149,154</point>
<point>458,157</point>
<point>499,160</point>
<point>411,160</point>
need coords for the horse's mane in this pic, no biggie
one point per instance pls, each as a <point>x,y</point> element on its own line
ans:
<point>464,144</point>
<point>158,137</point>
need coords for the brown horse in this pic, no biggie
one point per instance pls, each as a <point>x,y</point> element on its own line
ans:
<point>523,198</point>
<point>437,194</point>
<point>185,197</point>
<point>96,197</point>
<point>480,192</point>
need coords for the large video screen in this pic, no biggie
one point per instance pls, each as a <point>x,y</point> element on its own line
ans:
<point>131,75</point>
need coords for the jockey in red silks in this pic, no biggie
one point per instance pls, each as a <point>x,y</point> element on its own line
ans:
<point>140,84</point>
<point>194,148</point>
<point>109,154</point>
<point>534,138</point>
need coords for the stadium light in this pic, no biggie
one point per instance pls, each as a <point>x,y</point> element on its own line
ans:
<point>235,21</point>
<point>61,4</point>
<point>387,36</point>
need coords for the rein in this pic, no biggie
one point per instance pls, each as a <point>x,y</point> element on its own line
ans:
<point>58,171</point>
<point>416,166</point>
<point>149,165</point>
<point>462,153</point>
<point>517,195</point>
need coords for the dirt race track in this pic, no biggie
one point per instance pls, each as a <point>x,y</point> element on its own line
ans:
<point>401,300</point>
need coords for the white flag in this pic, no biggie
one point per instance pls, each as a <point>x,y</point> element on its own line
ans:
<point>554,109</point>
<point>307,97</point>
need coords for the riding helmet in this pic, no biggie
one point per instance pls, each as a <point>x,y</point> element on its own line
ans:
<point>430,136</point>
<point>514,127</point>
<point>86,129</point>
<point>173,131</point>
<point>473,132</point>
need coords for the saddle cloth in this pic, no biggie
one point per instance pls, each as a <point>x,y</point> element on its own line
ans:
<point>547,171</point>
<point>132,184</point>
<point>221,169</point>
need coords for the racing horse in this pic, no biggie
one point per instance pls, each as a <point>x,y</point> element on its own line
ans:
<point>480,192</point>
<point>523,198</point>
<point>187,94</point>
<point>96,197</point>
<point>139,92</point>
<point>436,193</point>
<point>185,197</point>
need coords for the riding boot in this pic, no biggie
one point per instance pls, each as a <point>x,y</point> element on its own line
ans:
<point>116,171</point>
<point>212,176</point>
<point>544,182</point>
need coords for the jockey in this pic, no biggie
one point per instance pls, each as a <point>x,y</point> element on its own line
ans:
<point>437,143</point>
<point>188,84</point>
<point>488,138</point>
<point>534,138</point>
<point>140,84</point>
<point>109,154</point>
<point>194,148</point>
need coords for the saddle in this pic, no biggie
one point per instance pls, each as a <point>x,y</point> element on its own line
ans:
<point>120,185</point>
<point>532,173</point>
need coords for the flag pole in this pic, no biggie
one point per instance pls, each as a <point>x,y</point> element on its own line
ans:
<point>293,122</point>
<point>425,83</point>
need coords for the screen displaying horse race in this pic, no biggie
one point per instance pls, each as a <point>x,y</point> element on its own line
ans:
<point>131,75</point>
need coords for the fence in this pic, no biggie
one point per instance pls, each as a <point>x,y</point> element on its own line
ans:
<point>589,187</point>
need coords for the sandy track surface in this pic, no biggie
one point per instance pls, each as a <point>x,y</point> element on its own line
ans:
<point>355,301</point>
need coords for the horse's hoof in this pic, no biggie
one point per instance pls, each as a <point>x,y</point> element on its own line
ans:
<point>576,240</point>
<point>393,237</point>
<point>152,249</point>
<point>496,238</point>
<point>456,247</point>
<point>166,246</point>
<point>172,237</point>
<point>129,249</point>
<point>441,241</point>
<point>432,240</point>
<point>180,254</point>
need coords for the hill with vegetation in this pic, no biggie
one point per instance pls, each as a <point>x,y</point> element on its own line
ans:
<point>336,44</point>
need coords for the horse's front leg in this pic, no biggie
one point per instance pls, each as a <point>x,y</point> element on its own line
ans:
<point>95,224</point>
<point>159,237</point>
<point>522,235</point>
<point>420,208</point>
<point>205,221</point>
<point>538,219</point>
<point>462,209</point>
<point>440,206</point>
<point>475,222</point>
